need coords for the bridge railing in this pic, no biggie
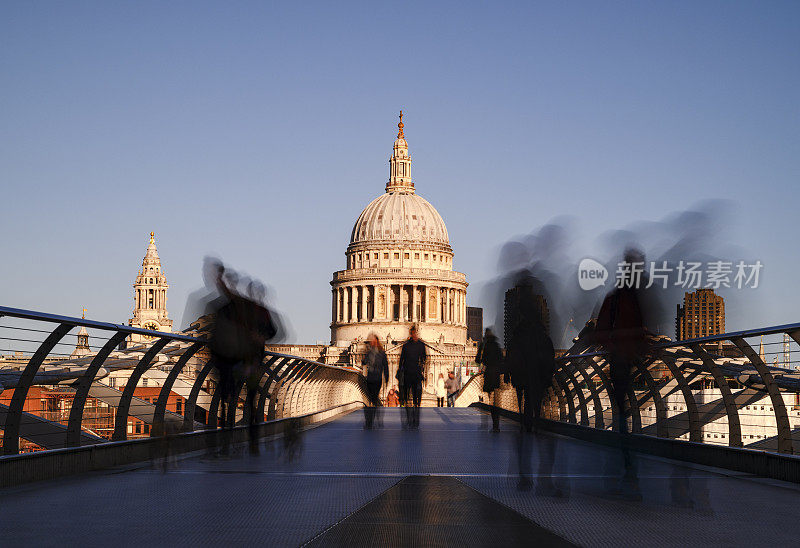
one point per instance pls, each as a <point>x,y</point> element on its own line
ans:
<point>739,389</point>
<point>68,382</point>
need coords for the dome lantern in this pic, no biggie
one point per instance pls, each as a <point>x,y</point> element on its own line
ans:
<point>400,164</point>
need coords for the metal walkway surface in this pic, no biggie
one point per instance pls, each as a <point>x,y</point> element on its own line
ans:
<point>449,483</point>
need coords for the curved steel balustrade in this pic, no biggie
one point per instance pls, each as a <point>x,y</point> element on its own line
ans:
<point>290,385</point>
<point>743,402</point>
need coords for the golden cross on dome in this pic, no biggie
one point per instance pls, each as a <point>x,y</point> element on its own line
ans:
<point>152,236</point>
<point>83,316</point>
<point>400,126</point>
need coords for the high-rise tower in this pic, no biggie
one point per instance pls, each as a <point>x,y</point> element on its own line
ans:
<point>150,295</point>
<point>702,315</point>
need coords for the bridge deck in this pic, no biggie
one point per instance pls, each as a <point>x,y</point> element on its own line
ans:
<point>448,483</point>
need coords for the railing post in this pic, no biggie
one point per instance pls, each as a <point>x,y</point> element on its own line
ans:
<point>291,381</point>
<point>578,392</point>
<point>691,405</point>
<point>82,389</point>
<point>559,378</point>
<point>163,395</point>
<point>276,391</point>
<point>734,426</point>
<point>272,372</point>
<point>123,410</point>
<point>597,363</point>
<point>662,430</point>
<point>781,416</point>
<point>191,402</point>
<point>599,421</point>
<point>12,426</point>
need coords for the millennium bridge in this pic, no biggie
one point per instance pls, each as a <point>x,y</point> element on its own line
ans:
<point>118,445</point>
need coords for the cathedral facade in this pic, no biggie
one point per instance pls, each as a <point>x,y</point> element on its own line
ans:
<point>399,268</point>
<point>399,273</point>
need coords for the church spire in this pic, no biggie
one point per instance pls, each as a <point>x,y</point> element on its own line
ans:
<point>150,294</point>
<point>400,164</point>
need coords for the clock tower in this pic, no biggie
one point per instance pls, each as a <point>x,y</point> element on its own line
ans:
<point>150,296</point>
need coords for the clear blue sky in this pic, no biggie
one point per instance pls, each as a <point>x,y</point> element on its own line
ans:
<point>258,131</point>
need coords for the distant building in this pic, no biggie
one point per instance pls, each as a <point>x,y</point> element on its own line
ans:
<point>82,347</point>
<point>150,296</point>
<point>511,313</point>
<point>701,315</point>
<point>474,323</point>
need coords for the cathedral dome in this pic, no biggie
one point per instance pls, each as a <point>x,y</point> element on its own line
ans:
<point>399,216</point>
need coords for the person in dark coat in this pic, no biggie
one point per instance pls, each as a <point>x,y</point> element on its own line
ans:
<point>490,356</point>
<point>530,359</point>
<point>228,348</point>
<point>258,328</point>
<point>621,331</point>
<point>376,370</point>
<point>413,358</point>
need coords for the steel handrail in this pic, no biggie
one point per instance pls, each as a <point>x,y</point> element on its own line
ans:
<point>177,357</point>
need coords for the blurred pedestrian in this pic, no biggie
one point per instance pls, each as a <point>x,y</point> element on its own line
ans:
<point>228,348</point>
<point>239,326</point>
<point>622,333</point>
<point>377,370</point>
<point>441,392</point>
<point>451,385</point>
<point>259,327</point>
<point>530,357</point>
<point>392,399</point>
<point>413,359</point>
<point>490,356</point>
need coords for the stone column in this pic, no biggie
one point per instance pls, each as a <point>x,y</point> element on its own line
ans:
<point>453,306</point>
<point>403,303</point>
<point>364,294</point>
<point>414,301</point>
<point>333,305</point>
<point>353,303</point>
<point>374,296</point>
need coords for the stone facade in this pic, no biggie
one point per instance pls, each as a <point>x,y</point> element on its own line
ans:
<point>150,295</point>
